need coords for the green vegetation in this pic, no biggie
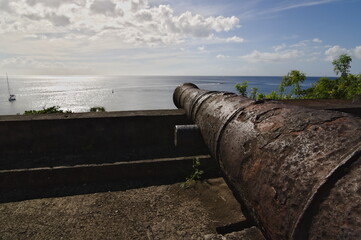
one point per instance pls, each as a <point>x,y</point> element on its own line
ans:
<point>242,88</point>
<point>53,109</point>
<point>293,80</point>
<point>195,175</point>
<point>253,93</point>
<point>341,88</point>
<point>342,65</point>
<point>97,109</point>
<point>347,86</point>
<point>56,109</point>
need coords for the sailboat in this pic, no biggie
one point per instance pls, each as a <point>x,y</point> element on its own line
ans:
<point>11,96</point>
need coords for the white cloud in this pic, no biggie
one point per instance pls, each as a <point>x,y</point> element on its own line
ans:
<point>127,21</point>
<point>136,5</point>
<point>279,56</point>
<point>279,47</point>
<point>57,20</point>
<point>202,49</point>
<point>5,5</point>
<point>29,62</point>
<point>302,43</point>
<point>221,23</point>
<point>105,7</point>
<point>312,59</point>
<point>293,5</point>
<point>143,16</point>
<point>306,43</point>
<point>304,50</point>
<point>194,25</point>
<point>69,34</point>
<point>221,56</point>
<point>235,39</point>
<point>54,3</point>
<point>317,40</point>
<point>357,52</point>
<point>36,65</point>
<point>334,52</point>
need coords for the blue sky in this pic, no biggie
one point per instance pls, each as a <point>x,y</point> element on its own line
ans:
<point>159,37</point>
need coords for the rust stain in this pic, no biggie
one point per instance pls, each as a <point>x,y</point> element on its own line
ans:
<point>276,158</point>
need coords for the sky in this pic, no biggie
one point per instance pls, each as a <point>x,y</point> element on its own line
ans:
<point>188,37</point>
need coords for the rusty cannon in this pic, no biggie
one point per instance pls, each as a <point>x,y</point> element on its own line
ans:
<point>297,171</point>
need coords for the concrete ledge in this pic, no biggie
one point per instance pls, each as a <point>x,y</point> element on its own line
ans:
<point>50,140</point>
<point>87,115</point>
<point>174,169</point>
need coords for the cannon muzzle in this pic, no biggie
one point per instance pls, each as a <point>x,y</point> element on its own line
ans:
<point>296,170</point>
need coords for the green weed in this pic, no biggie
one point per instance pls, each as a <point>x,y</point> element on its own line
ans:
<point>195,175</point>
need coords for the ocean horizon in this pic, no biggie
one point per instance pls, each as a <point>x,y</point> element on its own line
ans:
<point>78,93</point>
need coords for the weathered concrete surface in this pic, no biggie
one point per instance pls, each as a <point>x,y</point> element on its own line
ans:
<point>49,140</point>
<point>252,233</point>
<point>156,212</point>
<point>171,170</point>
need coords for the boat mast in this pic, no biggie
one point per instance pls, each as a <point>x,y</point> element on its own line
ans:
<point>7,80</point>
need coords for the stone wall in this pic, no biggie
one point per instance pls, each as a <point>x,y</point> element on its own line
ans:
<point>30,141</point>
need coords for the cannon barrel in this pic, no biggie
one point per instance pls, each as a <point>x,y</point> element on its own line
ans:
<point>296,170</point>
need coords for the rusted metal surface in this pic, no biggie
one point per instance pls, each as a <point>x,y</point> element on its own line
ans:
<point>296,170</point>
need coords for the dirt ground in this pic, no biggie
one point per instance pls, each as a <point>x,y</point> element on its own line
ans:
<point>155,212</point>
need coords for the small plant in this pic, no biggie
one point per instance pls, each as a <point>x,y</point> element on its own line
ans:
<point>254,93</point>
<point>273,95</point>
<point>97,109</point>
<point>195,175</point>
<point>260,96</point>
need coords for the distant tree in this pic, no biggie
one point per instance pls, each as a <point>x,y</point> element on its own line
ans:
<point>292,79</point>
<point>53,109</point>
<point>323,88</point>
<point>242,88</point>
<point>342,65</point>
<point>97,109</point>
<point>340,88</point>
<point>355,86</point>
<point>347,86</point>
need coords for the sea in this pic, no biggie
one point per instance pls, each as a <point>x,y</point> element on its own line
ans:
<point>115,93</point>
